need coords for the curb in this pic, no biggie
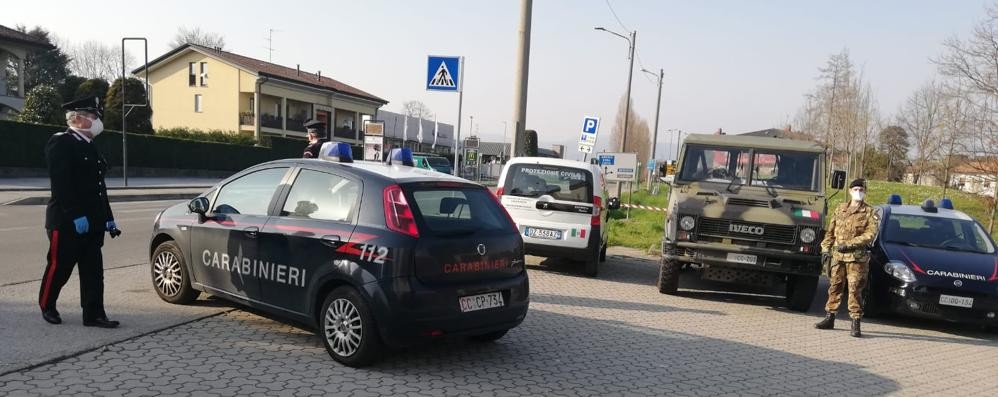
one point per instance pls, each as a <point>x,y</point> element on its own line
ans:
<point>45,189</point>
<point>41,200</point>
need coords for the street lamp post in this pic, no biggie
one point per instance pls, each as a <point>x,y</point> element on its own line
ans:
<point>502,152</point>
<point>658,108</point>
<point>630,73</point>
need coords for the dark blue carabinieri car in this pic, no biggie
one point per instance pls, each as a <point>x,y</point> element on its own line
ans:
<point>933,262</point>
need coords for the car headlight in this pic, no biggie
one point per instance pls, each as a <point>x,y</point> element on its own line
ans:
<point>899,271</point>
<point>807,235</point>
<point>687,223</point>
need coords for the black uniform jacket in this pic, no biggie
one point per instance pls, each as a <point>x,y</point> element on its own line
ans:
<point>76,173</point>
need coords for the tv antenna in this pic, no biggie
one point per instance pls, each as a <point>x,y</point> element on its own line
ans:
<point>270,44</point>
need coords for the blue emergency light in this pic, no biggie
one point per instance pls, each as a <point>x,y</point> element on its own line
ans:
<point>894,199</point>
<point>946,203</point>
<point>340,152</point>
<point>401,156</point>
<point>929,206</point>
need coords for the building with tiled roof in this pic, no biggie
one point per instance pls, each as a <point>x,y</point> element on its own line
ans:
<point>211,89</point>
<point>14,48</point>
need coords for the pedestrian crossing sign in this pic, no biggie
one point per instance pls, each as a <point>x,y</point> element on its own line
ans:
<point>443,73</point>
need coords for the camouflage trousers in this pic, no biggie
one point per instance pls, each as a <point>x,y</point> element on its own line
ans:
<point>853,273</point>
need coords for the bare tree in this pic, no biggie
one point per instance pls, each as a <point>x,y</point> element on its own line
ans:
<point>638,134</point>
<point>922,117</point>
<point>417,109</point>
<point>96,60</point>
<point>197,36</point>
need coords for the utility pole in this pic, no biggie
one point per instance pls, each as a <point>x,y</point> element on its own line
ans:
<point>679,143</point>
<point>630,73</point>
<point>654,137</point>
<point>522,71</point>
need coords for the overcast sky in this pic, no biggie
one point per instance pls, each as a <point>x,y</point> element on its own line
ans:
<point>737,65</point>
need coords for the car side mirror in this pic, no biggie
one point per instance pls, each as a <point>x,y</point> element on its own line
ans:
<point>198,205</point>
<point>838,179</point>
<point>613,204</point>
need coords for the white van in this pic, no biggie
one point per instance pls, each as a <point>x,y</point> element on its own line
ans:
<point>560,208</point>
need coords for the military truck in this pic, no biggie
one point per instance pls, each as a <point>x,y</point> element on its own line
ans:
<point>748,210</point>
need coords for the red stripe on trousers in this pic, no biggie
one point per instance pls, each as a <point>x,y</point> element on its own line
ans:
<point>53,262</point>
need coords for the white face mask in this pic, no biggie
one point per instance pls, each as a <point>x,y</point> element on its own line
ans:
<point>96,127</point>
<point>857,196</point>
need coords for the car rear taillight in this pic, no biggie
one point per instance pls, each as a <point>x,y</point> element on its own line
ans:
<point>597,207</point>
<point>398,214</point>
<point>508,216</point>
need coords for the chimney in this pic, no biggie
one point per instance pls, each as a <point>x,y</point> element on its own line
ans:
<point>719,132</point>
<point>298,66</point>
<point>320,75</point>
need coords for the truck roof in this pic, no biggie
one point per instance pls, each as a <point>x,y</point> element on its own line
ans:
<point>754,142</point>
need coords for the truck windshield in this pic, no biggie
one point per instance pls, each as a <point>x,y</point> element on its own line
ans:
<point>770,169</point>
<point>788,170</point>
<point>715,165</point>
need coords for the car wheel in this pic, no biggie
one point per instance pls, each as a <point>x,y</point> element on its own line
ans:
<point>668,276</point>
<point>347,328</point>
<point>592,264</point>
<point>800,292</point>
<point>170,277</point>
<point>489,337</point>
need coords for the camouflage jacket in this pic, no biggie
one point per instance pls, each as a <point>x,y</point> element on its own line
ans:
<point>853,226</point>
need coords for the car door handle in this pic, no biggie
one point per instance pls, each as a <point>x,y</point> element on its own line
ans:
<point>331,240</point>
<point>252,231</point>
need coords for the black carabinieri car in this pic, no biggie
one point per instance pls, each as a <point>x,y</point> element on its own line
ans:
<point>369,254</point>
<point>933,262</point>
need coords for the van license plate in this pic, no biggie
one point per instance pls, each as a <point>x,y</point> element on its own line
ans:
<point>743,258</point>
<point>957,301</point>
<point>481,302</point>
<point>546,234</point>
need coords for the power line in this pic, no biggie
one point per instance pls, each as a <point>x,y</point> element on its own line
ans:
<point>615,15</point>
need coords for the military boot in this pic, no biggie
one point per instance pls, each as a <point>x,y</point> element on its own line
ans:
<point>827,323</point>
<point>855,328</point>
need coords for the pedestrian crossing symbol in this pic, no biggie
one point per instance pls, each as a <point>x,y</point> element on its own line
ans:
<point>443,73</point>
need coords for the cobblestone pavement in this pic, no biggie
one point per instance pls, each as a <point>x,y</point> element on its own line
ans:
<point>615,335</point>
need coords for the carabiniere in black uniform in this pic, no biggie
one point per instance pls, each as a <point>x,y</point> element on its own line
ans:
<point>77,216</point>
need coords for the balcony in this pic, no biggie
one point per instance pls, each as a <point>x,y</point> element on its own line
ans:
<point>271,121</point>
<point>247,118</point>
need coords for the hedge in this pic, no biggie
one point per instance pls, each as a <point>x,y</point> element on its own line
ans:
<point>23,145</point>
<point>218,136</point>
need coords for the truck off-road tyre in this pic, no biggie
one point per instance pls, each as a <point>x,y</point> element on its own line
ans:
<point>668,276</point>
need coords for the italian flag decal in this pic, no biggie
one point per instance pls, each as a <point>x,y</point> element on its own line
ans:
<point>581,233</point>
<point>806,213</point>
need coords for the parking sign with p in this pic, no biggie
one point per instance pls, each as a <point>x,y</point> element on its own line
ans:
<point>590,125</point>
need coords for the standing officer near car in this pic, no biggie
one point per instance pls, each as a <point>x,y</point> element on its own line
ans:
<point>851,230</point>
<point>316,131</point>
<point>78,214</point>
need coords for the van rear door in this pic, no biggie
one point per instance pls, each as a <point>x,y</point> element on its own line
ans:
<point>551,204</point>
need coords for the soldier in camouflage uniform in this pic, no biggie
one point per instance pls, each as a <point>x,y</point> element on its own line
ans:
<point>852,228</point>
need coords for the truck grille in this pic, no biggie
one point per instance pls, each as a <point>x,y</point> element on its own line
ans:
<point>779,234</point>
<point>749,202</point>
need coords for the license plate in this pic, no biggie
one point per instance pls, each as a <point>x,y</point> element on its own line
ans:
<point>546,234</point>
<point>743,258</point>
<point>958,301</point>
<point>481,302</point>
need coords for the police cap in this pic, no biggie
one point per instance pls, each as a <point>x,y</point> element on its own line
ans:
<point>89,104</point>
<point>314,124</point>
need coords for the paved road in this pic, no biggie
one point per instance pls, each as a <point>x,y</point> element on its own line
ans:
<point>615,335</point>
<point>23,243</point>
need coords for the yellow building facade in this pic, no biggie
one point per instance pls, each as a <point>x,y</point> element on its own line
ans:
<point>210,89</point>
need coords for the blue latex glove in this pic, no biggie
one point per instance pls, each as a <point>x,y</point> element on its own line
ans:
<point>111,225</point>
<point>82,225</point>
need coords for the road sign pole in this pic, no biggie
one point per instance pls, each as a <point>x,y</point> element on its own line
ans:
<point>460,103</point>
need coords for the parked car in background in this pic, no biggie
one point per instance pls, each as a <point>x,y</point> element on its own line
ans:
<point>433,162</point>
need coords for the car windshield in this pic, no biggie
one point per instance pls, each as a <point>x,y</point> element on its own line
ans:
<point>438,162</point>
<point>938,233</point>
<point>561,183</point>
<point>450,211</point>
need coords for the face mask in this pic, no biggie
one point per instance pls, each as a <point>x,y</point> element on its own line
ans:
<point>857,196</point>
<point>96,127</point>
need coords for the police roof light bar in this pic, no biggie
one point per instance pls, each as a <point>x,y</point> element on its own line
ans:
<point>402,156</point>
<point>339,152</point>
<point>894,199</point>
<point>946,203</point>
